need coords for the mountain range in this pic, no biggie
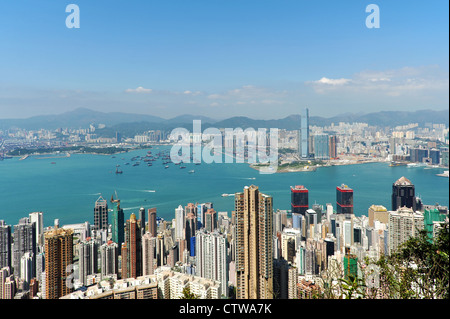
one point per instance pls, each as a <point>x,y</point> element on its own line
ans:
<point>130,124</point>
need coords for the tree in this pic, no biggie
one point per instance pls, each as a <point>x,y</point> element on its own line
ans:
<point>187,294</point>
<point>419,269</point>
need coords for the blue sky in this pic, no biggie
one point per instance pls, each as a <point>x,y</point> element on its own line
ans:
<point>263,59</point>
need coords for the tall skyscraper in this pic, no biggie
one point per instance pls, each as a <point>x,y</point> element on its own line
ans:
<point>109,256</point>
<point>403,224</point>
<point>117,222</point>
<point>403,194</point>
<point>304,134</point>
<point>321,146</point>
<point>254,244</point>
<point>24,242</point>
<point>152,226</point>
<point>132,259</point>
<point>58,258</point>
<point>212,257</point>
<point>5,245</point>
<point>190,229</point>
<point>149,257</point>
<point>87,259</point>
<point>38,219</point>
<point>101,214</point>
<point>299,199</point>
<point>141,219</point>
<point>179,223</point>
<point>333,146</point>
<point>210,220</point>
<point>344,200</point>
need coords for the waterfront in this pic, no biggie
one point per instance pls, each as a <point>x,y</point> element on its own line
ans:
<point>67,189</point>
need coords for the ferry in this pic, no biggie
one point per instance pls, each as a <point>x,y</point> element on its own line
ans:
<point>445,174</point>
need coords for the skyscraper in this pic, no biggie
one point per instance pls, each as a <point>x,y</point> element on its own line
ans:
<point>24,242</point>
<point>304,134</point>
<point>403,194</point>
<point>212,257</point>
<point>149,257</point>
<point>321,146</point>
<point>109,253</point>
<point>38,219</point>
<point>152,226</point>
<point>333,146</point>
<point>141,219</point>
<point>117,222</point>
<point>299,199</point>
<point>5,245</point>
<point>88,259</point>
<point>254,244</point>
<point>210,220</point>
<point>132,259</point>
<point>344,200</point>
<point>58,258</point>
<point>101,214</point>
<point>403,224</point>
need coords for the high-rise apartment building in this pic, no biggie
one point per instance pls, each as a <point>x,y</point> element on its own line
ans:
<point>38,219</point>
<point>132,255</point>
<point>344,200</point>
<point>404,223</point>
<point>87,259</point>
<point>58,262</point>
<point>212,257</point>
<point>5,245</point>
<point>101,214</point>
<point>109,256</point>
<point>403,194</point>
<point>152,225</point>
<point>141,218</point>
<point>333,146</point>
<point>321,146</point>
<point>149,257</point>
<point>24,242</point>
<point>210,220</point>
<point>254,244</point>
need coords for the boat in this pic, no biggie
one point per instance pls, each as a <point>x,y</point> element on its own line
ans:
<point>136,164</point>
<point>118,171</point>
<point>444,174</point>
<point>182,167</point>
<point>191,171</point>
<point>53,163</point>
<point>167,166</point>
<point>394,163</point>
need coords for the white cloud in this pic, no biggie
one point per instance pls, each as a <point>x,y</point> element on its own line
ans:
<point>328,81</point>
<point>395,82</point>
<point>139,89</point>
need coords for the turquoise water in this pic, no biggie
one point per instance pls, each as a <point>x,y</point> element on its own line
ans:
<point>68,189</point>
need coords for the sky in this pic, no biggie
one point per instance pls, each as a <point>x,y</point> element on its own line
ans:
<point>264,59</point>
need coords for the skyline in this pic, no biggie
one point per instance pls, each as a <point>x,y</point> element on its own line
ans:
<point>223,59</point>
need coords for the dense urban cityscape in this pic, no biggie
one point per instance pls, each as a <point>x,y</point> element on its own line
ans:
<point>257,251</point>
<point>224,158</point>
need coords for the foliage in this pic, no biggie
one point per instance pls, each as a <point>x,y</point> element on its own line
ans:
<point>419,269</point>
<point>187,294</point>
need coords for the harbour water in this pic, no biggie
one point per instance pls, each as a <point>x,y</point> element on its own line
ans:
<point>67,187</point>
